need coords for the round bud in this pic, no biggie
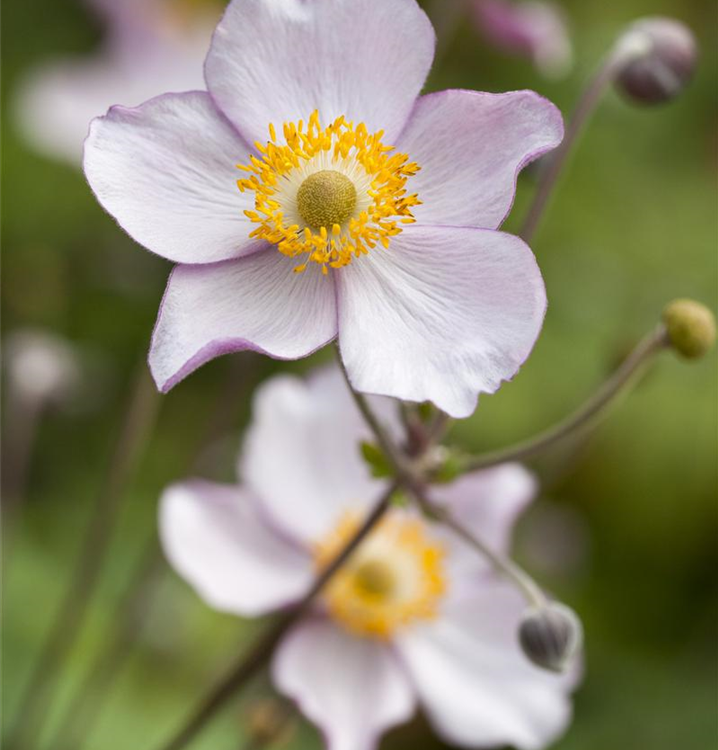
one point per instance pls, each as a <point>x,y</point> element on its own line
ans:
<point>551,636</point>
<point>691,327</point>
<point>660,56</point>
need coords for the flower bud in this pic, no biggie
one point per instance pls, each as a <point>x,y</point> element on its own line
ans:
<point>691,328</point>
<point>660,58</point>
<point>551,636</point>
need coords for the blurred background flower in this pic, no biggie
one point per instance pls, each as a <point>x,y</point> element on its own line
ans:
<point>632,226</point>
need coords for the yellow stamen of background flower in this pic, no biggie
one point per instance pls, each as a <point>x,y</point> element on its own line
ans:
<point>396,577</point>
<point>328,195</point>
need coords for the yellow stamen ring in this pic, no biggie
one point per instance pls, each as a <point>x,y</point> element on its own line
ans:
<point>328,195</point>
<point>397,576</point>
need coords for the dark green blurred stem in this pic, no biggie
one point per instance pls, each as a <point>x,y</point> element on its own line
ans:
<point>555,163</point>
<point>140,417</point>
<point>585,416</point>
<point>22,420</point>
<point>260,654</point>
<point>85,707</point>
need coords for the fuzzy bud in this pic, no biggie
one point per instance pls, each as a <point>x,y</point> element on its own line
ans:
<point>691,328</point>
<point>660,58</point>
<point>551,636</point>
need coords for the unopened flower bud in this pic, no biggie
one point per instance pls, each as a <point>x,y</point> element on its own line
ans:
<point>660,59</point>
<point>691,327</point>
<point>551,636</point>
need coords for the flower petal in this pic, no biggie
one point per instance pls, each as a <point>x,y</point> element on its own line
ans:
<point>302,453</point>
<point>215,539</point>
<point>471,147</point>
<point>477,686</point>
<point>488,504</point>
<point>279,60</point>
<point>166,170</point>
<point>253,303</point>
<point>445,313</point>
<point>352,688</point>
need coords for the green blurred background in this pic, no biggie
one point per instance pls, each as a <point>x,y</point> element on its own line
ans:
<point>626,528</point>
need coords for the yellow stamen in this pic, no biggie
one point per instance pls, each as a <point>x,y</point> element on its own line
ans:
<point>328,195</point>
<point>396,577</point>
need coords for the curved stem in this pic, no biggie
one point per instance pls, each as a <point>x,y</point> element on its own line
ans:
<point>593,409</point>
<point>503,565</point>
<point>248,666</point>
<point>586,106</point>
<point>67,625</point>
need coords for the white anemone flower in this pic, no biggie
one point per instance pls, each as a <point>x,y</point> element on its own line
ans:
<point>413,618</point>
<point>360,211</point>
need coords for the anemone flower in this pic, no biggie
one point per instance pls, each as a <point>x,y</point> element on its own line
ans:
<point>329,232</point>
<point>151,46</point>
<point>414,616</point>
<point>534,29</point>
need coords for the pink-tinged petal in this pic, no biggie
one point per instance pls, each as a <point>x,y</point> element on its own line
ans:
<point>443,314</point>
<point>488,503</point>
<point>215,539</point>
<point>279,60</point>
<point>475,683</point>
<point>534,29</point>
<point>471,147</point>
<point>302,455</point>
<point>352,688</point>
<point>167,172</point>
<point>255,303</point>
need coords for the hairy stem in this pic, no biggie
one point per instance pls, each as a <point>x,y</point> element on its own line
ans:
<point>592,410</point>
<point>555,163</point>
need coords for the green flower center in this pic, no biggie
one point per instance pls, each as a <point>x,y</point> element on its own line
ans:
<point>326,199</point>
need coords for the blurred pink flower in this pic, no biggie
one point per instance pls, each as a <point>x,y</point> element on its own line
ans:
<point>151,46</point>
<point>534,29</point>
<point>437,310</point>
<point>413,617</point>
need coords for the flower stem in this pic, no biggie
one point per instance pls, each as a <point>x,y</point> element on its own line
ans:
<point>586,106</point>
<point>412,484</point>
<point>67,625</point>
<point>249,665</point>
<point>593,409</point>
<point>503,565</point>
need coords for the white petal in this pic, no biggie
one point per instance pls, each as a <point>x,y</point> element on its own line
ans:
<point>166,170</point>
<point>477,686</point>
<point>352,688</point>
<point>471,147</point>
<point>216,540</point>
<point>279,60</point>
<point>444,314</point>
<point>487,503</point>
<point>302,452</point>
<point>256,303</point>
